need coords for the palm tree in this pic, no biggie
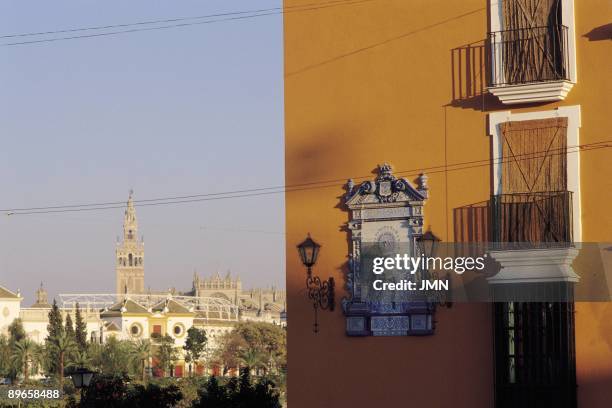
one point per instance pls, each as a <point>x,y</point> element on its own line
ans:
<point>141,353</point>
<point>80,360</point>
<point>63,344</point>
<point>40,358</point>
<point>253,359</point>
<point>23,354</point>
<point>115,356</point>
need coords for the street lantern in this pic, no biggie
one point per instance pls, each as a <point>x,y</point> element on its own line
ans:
<point>82,377</point>
<point>321,293</point>
<point>428,243</point>
<point>309,251</point>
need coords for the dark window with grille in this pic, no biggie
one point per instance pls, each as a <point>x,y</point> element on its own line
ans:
<point>534,341</point>
<point>535,355</point>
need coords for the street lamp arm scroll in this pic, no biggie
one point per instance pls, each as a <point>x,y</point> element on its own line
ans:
<point>320,292</point>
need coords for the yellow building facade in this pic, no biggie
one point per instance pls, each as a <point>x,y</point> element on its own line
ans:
<point>426,86</point>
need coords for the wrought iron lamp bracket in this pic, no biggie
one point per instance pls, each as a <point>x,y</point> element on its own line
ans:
<point>322,295</point>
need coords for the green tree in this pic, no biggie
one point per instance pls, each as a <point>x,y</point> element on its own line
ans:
<point>113,358</point>
<point>40,361</point>
<point>194,345</point>
<point>55,326</point>
<point>62,346</point>
<point>106,391</point>
<point>141,354</point>
<point>238,393</point>
<point>23,356</point>
<point>214,395</point>
<point>265,395</point>
<point>266,339</point>
<point>253,359</point>
<point>80,330</point>
<point>55,329</point>
<point>228,355</point>
<point>5,356</point>
<point>16,331</point>
<point>80,359</point>
<point>16,334</point>
<point>69,327</point>
<point>154,396</point>
<point>166,353</point>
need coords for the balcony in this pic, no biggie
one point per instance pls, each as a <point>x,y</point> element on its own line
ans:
<point>532,235</point>
<point>530,64</point>
<point>533,218</point>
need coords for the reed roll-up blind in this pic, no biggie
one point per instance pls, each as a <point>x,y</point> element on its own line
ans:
<point>534,156</point>
<point>530,13</point>
<point>532,40</point>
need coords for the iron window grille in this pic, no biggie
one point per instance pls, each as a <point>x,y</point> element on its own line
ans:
<point>529,55</point>
<point>535,354</point>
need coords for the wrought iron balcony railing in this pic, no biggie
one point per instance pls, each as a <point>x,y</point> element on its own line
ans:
<point>532,218</point>
<point>529,55</point>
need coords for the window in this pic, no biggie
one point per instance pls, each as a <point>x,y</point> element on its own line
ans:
<point>535,355</point>
<point>130,260</point>
<point>518,132</point>
<point>178,330</point>
<point>532,50</point>
<point>535,205</point>
<point>536,192</point>
<point>136,330</point>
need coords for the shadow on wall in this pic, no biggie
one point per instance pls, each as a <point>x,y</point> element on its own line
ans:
<point>471,222</point>
<point>469,70</point>
<point>594,390</point>
<point>600,33</point>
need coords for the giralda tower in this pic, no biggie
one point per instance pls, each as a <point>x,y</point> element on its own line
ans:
<point>130,254</point>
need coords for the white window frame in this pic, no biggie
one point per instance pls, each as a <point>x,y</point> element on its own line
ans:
<point>537,91</point>
<point>572,113</point>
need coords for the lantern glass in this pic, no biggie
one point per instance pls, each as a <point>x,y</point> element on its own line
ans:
<point>428,242</point>
<point>77,378</point>
<point>87,376</point>
<point>82,377</point>
<point>309,251</point>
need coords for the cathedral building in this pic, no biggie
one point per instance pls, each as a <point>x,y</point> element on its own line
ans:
<point>254,304</point>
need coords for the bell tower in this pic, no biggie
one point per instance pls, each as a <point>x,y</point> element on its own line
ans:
<point>129,254</point>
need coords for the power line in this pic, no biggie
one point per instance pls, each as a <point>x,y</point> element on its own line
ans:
<point>168,20</point>
<point>264,191</point>
<point>291,188</point>
<point>283,188</point>
<point>228,16</point>
<point>106,27</point>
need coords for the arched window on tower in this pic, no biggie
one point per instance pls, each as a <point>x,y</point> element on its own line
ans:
<point>130,259</point>
<point>130,234</point>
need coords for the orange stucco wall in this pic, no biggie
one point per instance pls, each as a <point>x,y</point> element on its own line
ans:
<point>374,81</point>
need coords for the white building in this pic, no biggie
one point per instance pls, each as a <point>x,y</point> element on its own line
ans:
<point>215,305</point>
<point>10,303</point>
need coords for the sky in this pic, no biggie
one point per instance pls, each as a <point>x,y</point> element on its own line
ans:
<point>181,111</point>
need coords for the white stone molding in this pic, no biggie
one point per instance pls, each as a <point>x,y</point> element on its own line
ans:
<point>573,154</point>
<point>535,265</point>
<point>544,91</point>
